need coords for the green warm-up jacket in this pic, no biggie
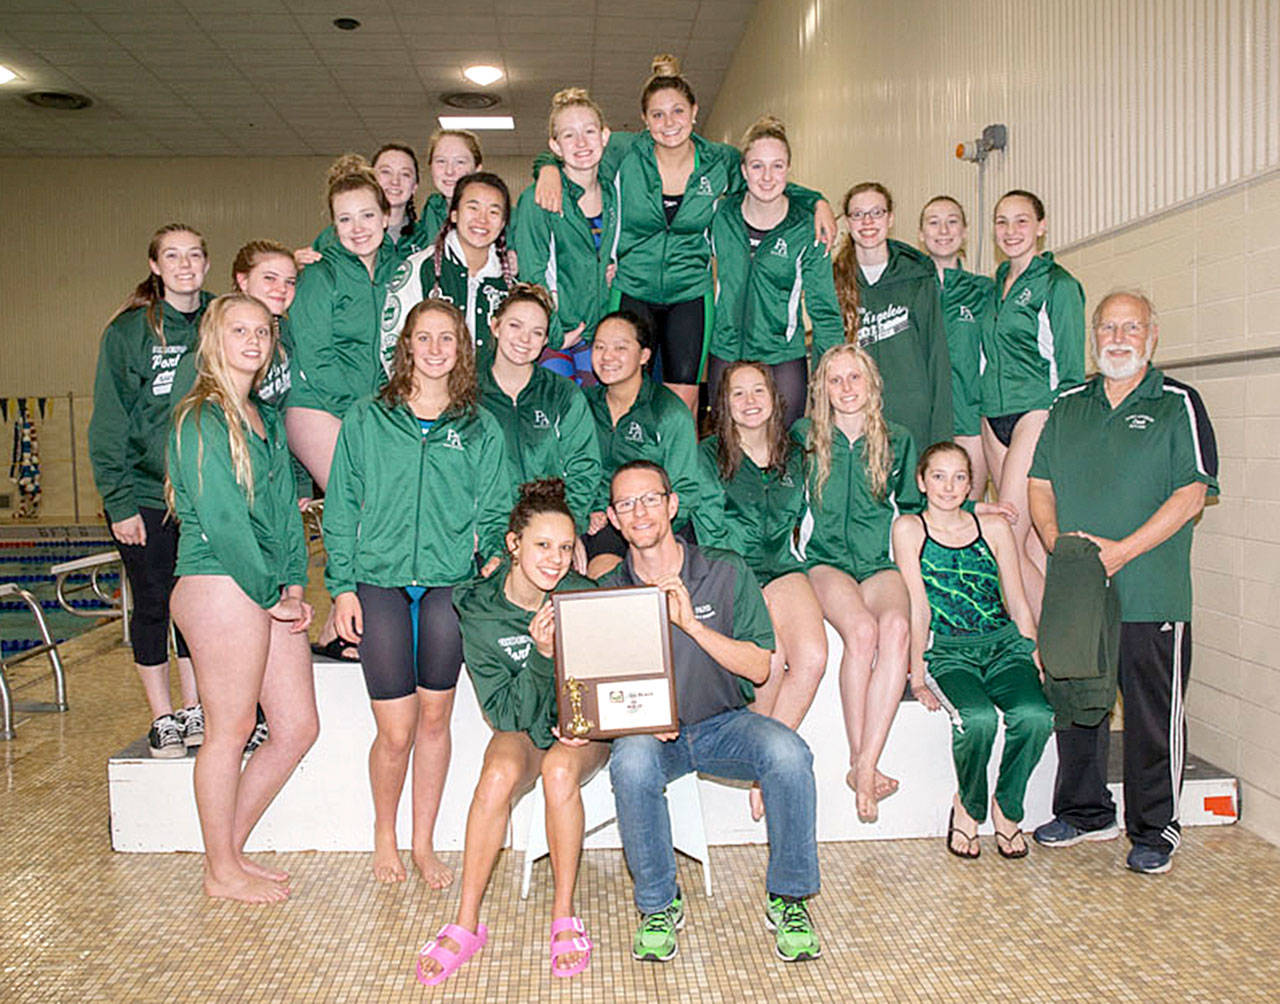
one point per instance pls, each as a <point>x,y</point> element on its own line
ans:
<point>758,291</point>
<point>132,405</point>
<point>968,311</point>
<point>259,543</point>
<point>405,508</point>
<point>549,434</point>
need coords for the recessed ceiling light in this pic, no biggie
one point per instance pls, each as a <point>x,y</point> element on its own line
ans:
<point>6,75</point>
<point>346,23</point>
<point>477,122</point>
<point>482,74</point>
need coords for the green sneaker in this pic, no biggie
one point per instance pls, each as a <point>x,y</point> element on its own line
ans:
<point>655,939</point>
<point>794,938</point>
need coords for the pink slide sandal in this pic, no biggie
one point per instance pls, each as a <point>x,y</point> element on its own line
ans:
<point>578,943</point>
<point>448,960</point>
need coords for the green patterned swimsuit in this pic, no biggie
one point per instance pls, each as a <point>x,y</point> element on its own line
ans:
<point>963,585</point>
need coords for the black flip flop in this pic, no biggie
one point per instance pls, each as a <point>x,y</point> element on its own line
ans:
<point>334,650</point>
<point>971,842</point>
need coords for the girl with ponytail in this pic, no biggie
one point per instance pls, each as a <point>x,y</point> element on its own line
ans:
<point>132,403</point>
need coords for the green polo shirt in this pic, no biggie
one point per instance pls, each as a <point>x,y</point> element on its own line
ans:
<point>1112,468</point>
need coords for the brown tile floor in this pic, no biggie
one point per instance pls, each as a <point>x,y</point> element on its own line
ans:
<point>900,921</point>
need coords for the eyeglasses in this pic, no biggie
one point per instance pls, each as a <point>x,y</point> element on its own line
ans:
<point>878,213</point>
<point>1129,329</point>
<point>650,500</point>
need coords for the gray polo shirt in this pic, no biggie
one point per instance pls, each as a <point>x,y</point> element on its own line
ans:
<point>726,598</point>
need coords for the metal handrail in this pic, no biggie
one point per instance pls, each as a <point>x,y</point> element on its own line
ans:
<point>48,646</point>
<point>1219,358</point>
<point>94,564</point>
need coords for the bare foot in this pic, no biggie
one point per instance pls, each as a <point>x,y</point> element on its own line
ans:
<point>863,782</point>
<point>239,885</point>
<point>885,785</point>
<point>434,872</point>
<point>262,871</point>
<point>387,866</point>
<point>757,803</point>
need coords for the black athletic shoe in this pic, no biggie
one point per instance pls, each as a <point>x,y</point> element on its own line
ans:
<point>165,738</point>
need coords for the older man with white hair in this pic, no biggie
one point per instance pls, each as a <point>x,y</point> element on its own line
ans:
<point>1127,460</point>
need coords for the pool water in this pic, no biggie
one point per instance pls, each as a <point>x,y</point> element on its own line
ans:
<point>27,562</point>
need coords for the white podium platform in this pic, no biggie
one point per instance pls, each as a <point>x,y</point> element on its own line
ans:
<point>327,806</point>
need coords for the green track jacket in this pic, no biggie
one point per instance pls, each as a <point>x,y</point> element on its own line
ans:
<point>557,251</point>
<point>334,318</point>
<point>406,509</point>
<point>260,544</point>
<point>1036,346</point>
<point>549,434</point>
<point>514,683</point>
<point>763,511</point>
<point>849,528</point>
<point>132,403</point>
<point>758,292</point>
<point>478,297</point>
<point>659,428</point>
<point>968,312</point>
<point>900,324</point>
<point>415,238</point>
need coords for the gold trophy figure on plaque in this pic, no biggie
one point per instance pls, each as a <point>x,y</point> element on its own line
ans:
<point>579,725</point>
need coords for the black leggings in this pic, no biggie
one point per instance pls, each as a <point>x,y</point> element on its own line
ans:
<point>791,378</point>
<point>387,650</point>
<point>679,332</point>
<point>149,568</point>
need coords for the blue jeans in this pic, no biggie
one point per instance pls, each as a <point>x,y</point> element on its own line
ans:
<point>740,745</point>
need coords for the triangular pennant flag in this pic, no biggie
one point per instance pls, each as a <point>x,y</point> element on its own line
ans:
<point>41,403</point>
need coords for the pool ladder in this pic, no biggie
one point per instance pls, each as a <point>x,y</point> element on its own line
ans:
<point>47,645</point>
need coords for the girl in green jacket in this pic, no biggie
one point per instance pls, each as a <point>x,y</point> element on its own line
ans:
<point>762,471</point>
<point>889,297</point>
<point>1034,349</point>
<point>467,265</point>
<point>548,426</point>
<point>968,311</point>
<point>132,405</point>
<point>637,419</point>
<point>766,261</point>
<point>452,154</point>
<point>566,251</point>
<point>420,491</point>
<point>242,567</point>
<point>668,181</point>
<point>859,473</point>
<point>508,638</point>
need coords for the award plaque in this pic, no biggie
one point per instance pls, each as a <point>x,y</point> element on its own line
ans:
<point>613,662</point>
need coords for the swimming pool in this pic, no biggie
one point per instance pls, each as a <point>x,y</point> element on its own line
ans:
<point>26,559</point>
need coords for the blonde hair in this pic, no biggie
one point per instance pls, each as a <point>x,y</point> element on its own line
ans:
<point>765,127</point>
<point>213,386</point>
<point>352,173</point>
<point>877,454</point>
<point>571,97</point>
<point>469,138</point>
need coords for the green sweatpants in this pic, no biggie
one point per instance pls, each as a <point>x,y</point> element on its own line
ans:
<point>972,676</point>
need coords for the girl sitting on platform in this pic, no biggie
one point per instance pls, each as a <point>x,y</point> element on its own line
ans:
<point>242,566</point>
<point>508,638</point>
<point>972,647</point>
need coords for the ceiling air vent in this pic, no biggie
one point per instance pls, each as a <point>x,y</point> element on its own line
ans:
<point>471,101</point>
<point>61,101</point>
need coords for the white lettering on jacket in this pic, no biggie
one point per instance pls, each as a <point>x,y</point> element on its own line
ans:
<point>893,320</point>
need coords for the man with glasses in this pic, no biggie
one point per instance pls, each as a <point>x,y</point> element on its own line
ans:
<point>720,646</point>
<point>1127,460</point>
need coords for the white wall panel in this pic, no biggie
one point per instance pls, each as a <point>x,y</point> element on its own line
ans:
<point>1117,109</point>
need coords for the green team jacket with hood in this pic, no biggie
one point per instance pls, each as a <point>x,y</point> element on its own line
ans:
<point>406,509</point>
<point>549,434</point>
<point>335,322</point>
<point>661,262</point>
<point>659,428</point>
<point>132,405</point>
<point>758,291</point>
<point>515,684</point>
<point>260,544</point>
<point>478,296</point>
<point>849,528</point>
<point>557,251</point>
<point>968,312</point>
<point>1035,348</point>
<point>900,325</point>
<point>763,510</point>
<point>411,239</point>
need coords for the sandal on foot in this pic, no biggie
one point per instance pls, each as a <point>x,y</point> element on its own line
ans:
<point>449,960</point>
<point>972,849</point>
<point>563,946</point>
<point>1004,840</point>
<point>336,650</point>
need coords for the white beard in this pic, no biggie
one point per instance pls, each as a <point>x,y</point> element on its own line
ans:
<point>1123,367</point>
